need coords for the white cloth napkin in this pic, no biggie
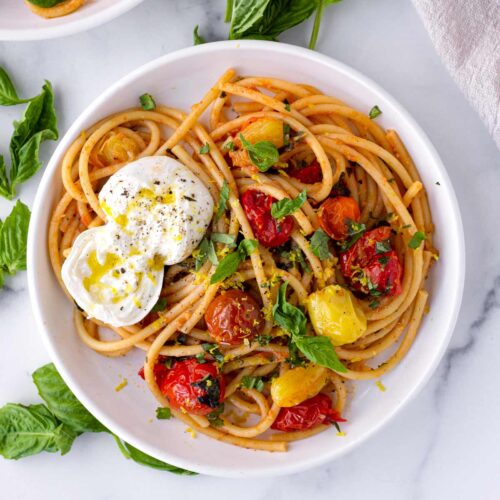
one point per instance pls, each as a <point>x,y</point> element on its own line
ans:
<point>466,34</point>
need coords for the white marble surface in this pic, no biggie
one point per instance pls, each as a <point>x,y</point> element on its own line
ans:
<point>446,443</point>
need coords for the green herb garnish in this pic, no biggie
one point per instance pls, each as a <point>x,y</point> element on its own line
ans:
<point>374,112</point>
<point>264,154</point>
<point>249,382</point>
<point>286,206</point>
<point>160,305</point>
<point>197,39</point>
<point>319,245</point>
<point>416,240</point>
<point>205,149</point>
<point>383,246</point>
<point>226,239</point>
<point>163,413</point>
<point>354,232</point>
<point>147,102</point>
<point>230,263</point>
<point>222,204</point>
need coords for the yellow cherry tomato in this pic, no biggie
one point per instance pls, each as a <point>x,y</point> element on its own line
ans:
<point>297,385</point>
<point>265,129</point>
<point>334,313</point>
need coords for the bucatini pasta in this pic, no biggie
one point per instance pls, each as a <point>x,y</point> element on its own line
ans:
<point>313,265</point>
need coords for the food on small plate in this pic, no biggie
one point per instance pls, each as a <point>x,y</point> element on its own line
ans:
<point>53,8</point>
<point>264,257</point>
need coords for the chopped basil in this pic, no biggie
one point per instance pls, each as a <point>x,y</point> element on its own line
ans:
<point>213,350</point>
<point>264,154</point>
<point>214,416</point>
<point>229,146</point>
<point>230,263</point>
<point>227,239</point>
<point>211,386</point>
<point>416,240</point>
<point>200,357</point>
<point>223,197</point>
<point>374,304</point>
<point>197,39</point>
<point>249,382</point>
<point>160,305</point>
<point>383,246</point>
<point>163,413</point>
<point>286,206</point>
<point>319,245</point>
<point>374,112</point>
<point>383,260</point>
<point>286,134</point>
<point>147,102</point>
<point>205,149</point>
<point>354,231</point>
<point>287,105</point>
<point>263,339</point>
<point>205,251</point>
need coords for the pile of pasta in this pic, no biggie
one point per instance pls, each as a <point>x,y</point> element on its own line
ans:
<point>348,146</point>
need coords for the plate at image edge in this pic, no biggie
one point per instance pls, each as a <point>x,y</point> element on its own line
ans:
<point>180,79</point>
<point>17,22</point>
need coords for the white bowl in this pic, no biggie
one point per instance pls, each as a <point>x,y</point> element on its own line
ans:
<point>17,22</point>
<point>180,79</point>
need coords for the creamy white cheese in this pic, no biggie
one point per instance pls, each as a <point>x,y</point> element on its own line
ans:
<point>157,212</point>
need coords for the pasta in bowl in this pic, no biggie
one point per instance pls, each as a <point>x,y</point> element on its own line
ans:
<point>264,251</point>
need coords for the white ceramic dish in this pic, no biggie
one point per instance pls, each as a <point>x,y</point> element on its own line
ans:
<point>180,79</point>
<point>17,22</point>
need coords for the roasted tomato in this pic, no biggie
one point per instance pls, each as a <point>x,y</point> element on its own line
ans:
<point>194,387</point>
<point>334,215</point>
<point>306,415</point>
<point>160,370</point>
<point>269,231</point>
<point>233,316</point>
<point>371,266</point>
<point>308,175</point>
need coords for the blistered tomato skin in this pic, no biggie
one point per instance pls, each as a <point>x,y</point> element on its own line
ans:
<point>297,385</point>
<point>193,387</point>
<point>368,270</point>
<point>334,214</point>
<point>266,228</point>
<point>309,174</point>
<point>334,313</point>
<point>234,316</point>
<point>306,415</point>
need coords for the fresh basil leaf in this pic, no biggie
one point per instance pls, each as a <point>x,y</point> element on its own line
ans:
<point>4,180</point>
<point>163,413</point>
<point>214,416</point>
<point>130,452</point>
<point>247,18</point>
<point>212,256</point>
<point>264,154</point>
<point>286,206</point>
<point>246,247</point>
<point>374,112</point>
<point>147,102</point>
<point>354,232</point>
<point>287,316</point>
<point>227,267</point>
<point>202,252</point>
<point>319,245</point>
<point>320,351</point>
<point>28,430</point>
<point>13,236</point>
<point>249,382</point>
<point>39,123</point>
<point>62,402</point>
<point>46,3</point>
<point>160,305</point>
<point>205,149</point>
<point>383,246</point>
<point>226,239</point>
<point>213,350</point>
<point>8,94</point>
<point>414,243</point>
<point>197,39</point>
<point>222,204</point>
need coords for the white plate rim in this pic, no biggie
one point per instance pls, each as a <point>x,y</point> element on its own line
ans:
<point>71,27</point>
<point>37,231</point>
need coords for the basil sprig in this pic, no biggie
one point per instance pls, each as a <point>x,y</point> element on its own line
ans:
<point>222,204</point>
<point>13,236</point>
<point>53,426</point>
<point>317,349</point>
<point>287,206</point>
<point>267,19</point>
<point>264,154</point>
<point>37,125</point>
<point>319,245</point>
<point>230,263</point>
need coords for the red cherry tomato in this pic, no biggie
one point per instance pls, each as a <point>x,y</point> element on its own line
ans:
<point>334,213</point>
<point>233,316</point>
<point>308,414</point>
<point>266,228</point>
<point>370,269</point>
<point>308,175</point>
<point>160,370</point>
<point>195,387</point>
